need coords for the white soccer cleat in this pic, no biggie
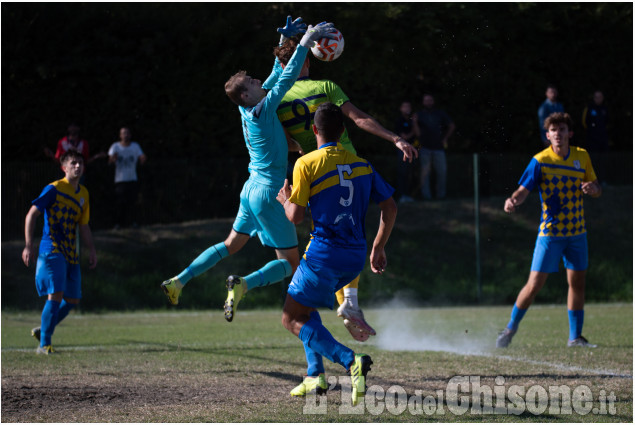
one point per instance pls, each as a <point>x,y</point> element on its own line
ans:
<point>355,322</point>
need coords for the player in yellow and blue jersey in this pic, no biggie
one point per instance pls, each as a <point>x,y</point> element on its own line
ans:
<point>259,213</point>
<point>563,174</point>
<point>65,206</point>
<point>338,187</point>
<point>296,114</point>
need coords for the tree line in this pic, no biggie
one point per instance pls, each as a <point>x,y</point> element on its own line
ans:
<point>160,69</point>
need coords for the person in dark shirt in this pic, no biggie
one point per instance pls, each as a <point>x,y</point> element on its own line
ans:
<point>594,121</point>
<point>433,128</point>
<point>404,127</point>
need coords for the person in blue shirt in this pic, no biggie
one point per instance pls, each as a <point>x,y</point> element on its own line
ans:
<point>548,107</point>
<point>66,210</point>
<point>338,186</point>
<point>562,174</point>
<point>259,213</point>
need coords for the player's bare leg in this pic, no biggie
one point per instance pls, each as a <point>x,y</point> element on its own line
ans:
<point>525,298</point>
<point>534,284</point>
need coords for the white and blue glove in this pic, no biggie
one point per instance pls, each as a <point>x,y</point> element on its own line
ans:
<point>292,28</point>
<point>314,33</point>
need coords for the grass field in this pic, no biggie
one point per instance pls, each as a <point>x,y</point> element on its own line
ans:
<point>194,367</point>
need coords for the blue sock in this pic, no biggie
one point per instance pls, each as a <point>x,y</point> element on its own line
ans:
<point>272,272</point>
<point>315,366</point>
<point>204,262</point>
<point>320,340</point>
<point>576,320</point>
<point>65,308</point>
<point>49,320</point>
<point>517,316</point>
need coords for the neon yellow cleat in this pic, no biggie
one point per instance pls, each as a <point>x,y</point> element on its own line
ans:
<point>46,350</point>
<point>236,288</point>
<point>359,370</point>
<point>310,385</point>
<point>172,288</point>
<point>35,333</point>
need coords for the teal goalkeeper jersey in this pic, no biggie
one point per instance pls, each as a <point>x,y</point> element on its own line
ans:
<point>263,133</point>
<point>297,110</point>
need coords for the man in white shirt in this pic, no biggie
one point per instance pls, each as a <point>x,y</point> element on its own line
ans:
<point>125,154</point>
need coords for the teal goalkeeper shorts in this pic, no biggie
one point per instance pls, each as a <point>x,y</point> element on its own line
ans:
<point>260,213</point>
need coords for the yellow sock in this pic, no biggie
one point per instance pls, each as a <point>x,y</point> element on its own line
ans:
<point>340,294</point>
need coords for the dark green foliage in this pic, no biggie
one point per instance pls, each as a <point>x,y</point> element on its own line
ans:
<point>160,68</point>
<point>431,259</point>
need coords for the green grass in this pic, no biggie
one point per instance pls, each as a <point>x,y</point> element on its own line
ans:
<point>159,366</point>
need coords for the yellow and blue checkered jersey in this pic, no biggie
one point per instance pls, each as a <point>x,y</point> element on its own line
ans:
<point>64,209</point>
<point>263,133</point>
<point>297,110</point>
<point>560,183</point>
<point>337,186</point>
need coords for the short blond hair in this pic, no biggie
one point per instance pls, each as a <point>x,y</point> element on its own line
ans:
<point>234,87</point>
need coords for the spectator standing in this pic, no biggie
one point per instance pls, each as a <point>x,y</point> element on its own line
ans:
<point>433,128</point>
<point>594,121</point>
<point>404,127</point>
<point>125,154</point>
<point>548,107</point>
<point>73,140</point>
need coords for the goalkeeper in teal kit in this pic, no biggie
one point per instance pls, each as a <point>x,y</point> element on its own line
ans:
<point>259,213</point>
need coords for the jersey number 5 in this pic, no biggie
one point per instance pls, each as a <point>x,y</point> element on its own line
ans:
<point>346,183</point>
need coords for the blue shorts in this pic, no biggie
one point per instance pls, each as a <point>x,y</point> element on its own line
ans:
<point>54,274</point>
<point>573,250</point>
<point>261,213</point>
<point>314,285</point>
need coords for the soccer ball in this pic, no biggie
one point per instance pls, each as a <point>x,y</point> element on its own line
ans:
<point>327,49</point>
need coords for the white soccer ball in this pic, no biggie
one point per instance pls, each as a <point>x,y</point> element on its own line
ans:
<point>327,49</point>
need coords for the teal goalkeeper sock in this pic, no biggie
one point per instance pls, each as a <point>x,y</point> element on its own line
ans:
<point>272,272</point>
<point>204,262</point>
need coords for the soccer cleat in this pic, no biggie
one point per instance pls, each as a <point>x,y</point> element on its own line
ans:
<point>505,338</point>
<point>359,370</point>
<point>172,288</point>
<point>580,342</point>
<point>46,350</point>
<point>235,291</point>
<point>35,333</point>
<point>311,385</point>
<point>355,322</point>
<point>357,333</point>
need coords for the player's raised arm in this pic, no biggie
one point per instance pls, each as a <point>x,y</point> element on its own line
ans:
<point>378,260</point>
<point>293,68</point>
<point>292,28</point>
<point>372,126</point>
<point>517,198</point>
